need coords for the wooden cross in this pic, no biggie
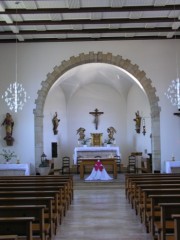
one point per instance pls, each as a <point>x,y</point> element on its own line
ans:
<point>96,114</point>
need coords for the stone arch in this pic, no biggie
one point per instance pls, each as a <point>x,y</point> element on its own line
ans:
<point>99,57</point>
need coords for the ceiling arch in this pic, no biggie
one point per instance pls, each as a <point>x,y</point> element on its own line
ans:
<point>101,73</point>
<point>96,58</point>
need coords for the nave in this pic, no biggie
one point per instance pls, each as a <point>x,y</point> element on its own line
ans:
<point>101,211</point>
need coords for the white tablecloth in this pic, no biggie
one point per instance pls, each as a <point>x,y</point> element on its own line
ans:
<point>170,164</point>
<point>16,167</point>
<point>98,175</point>
<point>90,152</point>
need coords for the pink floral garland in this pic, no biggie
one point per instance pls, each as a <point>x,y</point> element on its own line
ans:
<point>98,166</point>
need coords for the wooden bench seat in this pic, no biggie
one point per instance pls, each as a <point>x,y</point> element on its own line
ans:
<point>41,186</point>
<point>140,189</point>
<point>8,237</point>
<point>21,226</point>
<point>68,179</point>
<point>153,182</point>
<point>67,191</point>
<point>176,218</point>
<point>129,179</point>
<point>58,209</point>
<point>34,187</point>
<point>143,204</point>
<point>156,200</point>
<point>47,201</point>
<point>166,221</point>
<point>39,227</point>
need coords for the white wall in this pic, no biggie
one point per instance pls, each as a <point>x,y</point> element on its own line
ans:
<point>118,113</point>
<point>35,61</point>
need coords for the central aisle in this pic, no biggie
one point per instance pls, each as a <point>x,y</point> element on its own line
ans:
<point>101,212</point>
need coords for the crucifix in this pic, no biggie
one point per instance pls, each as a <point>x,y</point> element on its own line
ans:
<point>96,114</point>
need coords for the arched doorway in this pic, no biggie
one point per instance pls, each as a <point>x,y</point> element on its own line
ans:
<point>99,57</point>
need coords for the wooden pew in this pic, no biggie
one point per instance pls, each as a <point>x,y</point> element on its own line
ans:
<point>176,218</point>
<point>47,201</point>
<point>155,181</point>
<point>166,221</point>
<point>143,194</point>
<point>40,187</point>
<point>45,183</point>
<point>144,201</point>
<point>142,197</point>
<point>58,209</point>
<point>148,176</point>
<point>155,201</point>
<point>39,227</point>
<point>21,226</point>
<point>68,179</point>
<point>37,181</point>
<point>149,183</point>
<point>139,194</point>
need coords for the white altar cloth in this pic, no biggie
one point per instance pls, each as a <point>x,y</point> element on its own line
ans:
<point>89,151</point>
<point>98,173</point>
<point>12,166</point>
<point>170,164</point>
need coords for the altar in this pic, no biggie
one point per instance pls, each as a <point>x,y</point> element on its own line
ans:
<point>171,164</point>
<point>91,152</point>
<point>11,169</point>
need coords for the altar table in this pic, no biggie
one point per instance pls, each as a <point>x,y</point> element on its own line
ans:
<point>91,152</point>
<point>91,161</point>
<point>170,164</point>
<point>11,169</point>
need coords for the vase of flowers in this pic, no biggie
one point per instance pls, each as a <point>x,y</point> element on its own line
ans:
<point>9,140</point>
<point>108,142</point>
<point>85,142</point>
<point>8,155</point>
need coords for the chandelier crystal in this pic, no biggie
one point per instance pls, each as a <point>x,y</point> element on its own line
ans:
<point>173,93</point>
<point>15,96</point>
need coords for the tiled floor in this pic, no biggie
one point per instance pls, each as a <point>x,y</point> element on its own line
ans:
<point>101,212</point>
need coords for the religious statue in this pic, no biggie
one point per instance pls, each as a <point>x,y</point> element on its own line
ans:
<point>55,122</point>
<point>96,115</point>
<point>111,131</point>
<point>138,122</point>
<point>81,131</point>
<point>9,124</point>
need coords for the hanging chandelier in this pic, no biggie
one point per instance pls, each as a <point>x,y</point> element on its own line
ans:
<point>15,95</point>
<point>173,91</point>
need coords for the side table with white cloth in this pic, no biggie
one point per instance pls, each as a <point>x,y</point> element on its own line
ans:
<point>11,169</point>
<point>171,164</point>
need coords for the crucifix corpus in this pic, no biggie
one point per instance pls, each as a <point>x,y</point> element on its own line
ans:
<point>96,114</point>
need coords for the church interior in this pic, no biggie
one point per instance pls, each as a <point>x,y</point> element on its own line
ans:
<point>89,104</point>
